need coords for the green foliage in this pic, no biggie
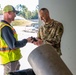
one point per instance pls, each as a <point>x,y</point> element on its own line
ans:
<point>1,12</point>
<point>34,15</point>
<point>24,12</point>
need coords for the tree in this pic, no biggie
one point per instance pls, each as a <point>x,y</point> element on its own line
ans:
<point>34,15</point>
<point>24,12</point>
<point>0,9</point>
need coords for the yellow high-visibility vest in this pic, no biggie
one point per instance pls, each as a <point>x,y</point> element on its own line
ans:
<point>7,54</point>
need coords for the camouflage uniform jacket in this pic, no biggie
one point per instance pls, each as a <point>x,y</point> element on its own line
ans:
<point>51,34</point>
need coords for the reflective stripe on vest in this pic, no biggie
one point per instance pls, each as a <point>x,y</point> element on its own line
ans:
<point>14,32</point>
<point>4,49</point>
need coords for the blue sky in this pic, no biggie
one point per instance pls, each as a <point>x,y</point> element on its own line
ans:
<point>30,4</point>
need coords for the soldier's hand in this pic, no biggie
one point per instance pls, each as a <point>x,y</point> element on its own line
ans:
<point>38,42</point>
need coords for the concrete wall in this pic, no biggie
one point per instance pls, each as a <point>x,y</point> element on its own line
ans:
<point>65,12</point>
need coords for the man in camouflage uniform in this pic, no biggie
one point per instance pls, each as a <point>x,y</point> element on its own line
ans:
<point>51,32</point>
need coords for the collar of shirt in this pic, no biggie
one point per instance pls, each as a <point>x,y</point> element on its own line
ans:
<point>48,25</point>
<point>5,22</point>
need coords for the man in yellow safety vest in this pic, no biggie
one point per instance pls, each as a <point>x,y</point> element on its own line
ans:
<point>9,45</point>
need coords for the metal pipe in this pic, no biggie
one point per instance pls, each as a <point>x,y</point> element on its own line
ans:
<point>45,61</point>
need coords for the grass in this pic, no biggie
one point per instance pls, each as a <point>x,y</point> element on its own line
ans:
<point>21,22</point>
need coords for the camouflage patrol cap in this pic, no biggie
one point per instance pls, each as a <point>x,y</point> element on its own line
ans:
<point>8,8</point>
